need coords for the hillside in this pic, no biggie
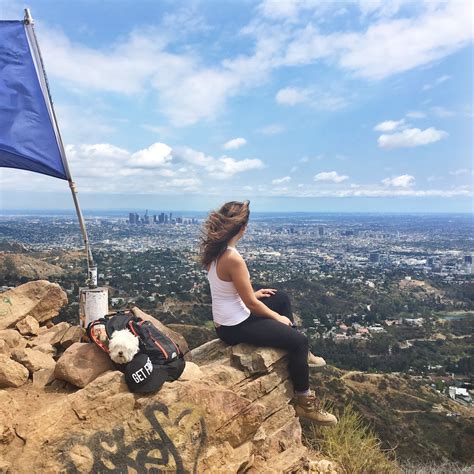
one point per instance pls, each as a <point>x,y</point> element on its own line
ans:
<point>27,267</point>
<point>408,416</point>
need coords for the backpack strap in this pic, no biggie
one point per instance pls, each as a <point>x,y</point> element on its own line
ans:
<point>91,334</point>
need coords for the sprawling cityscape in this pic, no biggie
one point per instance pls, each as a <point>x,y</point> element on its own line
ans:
<point>393,285</point>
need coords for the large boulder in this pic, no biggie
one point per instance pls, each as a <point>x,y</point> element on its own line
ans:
<point>81,363</point>
<point>33,360</point>
<point>12,339</point>
<point>40,299</point>
<point>52,335</point>
<point>12,374</point>
<point>28,326</point>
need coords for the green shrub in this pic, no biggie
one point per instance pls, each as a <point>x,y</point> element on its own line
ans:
<point>352,444</point>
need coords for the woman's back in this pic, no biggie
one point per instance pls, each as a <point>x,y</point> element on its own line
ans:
<point>228,309</point>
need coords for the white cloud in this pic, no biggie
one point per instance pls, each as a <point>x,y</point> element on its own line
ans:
<point>390,45</point>
<point>324,101</point>
<point>157,169</point>
<point>389,125</point>
<point>438,81</point>
<point>331,176</point>
<point>234,144</point>
<point>188,88</point>
<point>442,112</point>
<point>223,167</point>
<point>462,172</point>
<point>155,156</point>
<point>285,179</point>
<point>272,129</point>
<point>411,137</point>
<point>398,45</point>
<point>226,167</point>
<point>292,96</point>
<point>185,183</point>
<point>402,181</point>
<point>416,114</point>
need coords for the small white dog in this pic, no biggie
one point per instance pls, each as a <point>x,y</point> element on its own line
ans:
<point>123,346</point>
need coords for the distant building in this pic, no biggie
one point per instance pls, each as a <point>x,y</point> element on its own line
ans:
<point>321,231</point>
<point>468,263</point>
<point>414,321</point>
<point>459,394</point>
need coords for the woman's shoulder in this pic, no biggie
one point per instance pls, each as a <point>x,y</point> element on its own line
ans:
<point>232,254</point>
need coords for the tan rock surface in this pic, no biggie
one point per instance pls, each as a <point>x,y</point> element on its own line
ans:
<point>81,363</point>
<point>33,360</point>
<point>12,374</point>
<point>72,334</point>
<point>12,338</point>
<point>28,326</point>
<point>43,377</point>
<point>39,299</point>
<point>45,349</point>
<point>52,335</point>
<point>4,348</point>
<point>228,414</point>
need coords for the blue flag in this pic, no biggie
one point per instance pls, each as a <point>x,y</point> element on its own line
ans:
<point>28,136</point>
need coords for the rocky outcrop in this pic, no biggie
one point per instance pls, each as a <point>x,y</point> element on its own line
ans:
<point>12,374</point>
<point>40,299</point>
<point>81,363</point>
<point>65,408</point>
<point>20,265</point>
<point>33,360</point>
<point>229,412</point>
<point>28,326</point>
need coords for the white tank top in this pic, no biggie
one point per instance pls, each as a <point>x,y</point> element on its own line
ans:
<point>228,309</point>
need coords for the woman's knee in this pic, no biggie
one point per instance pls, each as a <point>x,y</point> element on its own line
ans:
<point>300,341</point>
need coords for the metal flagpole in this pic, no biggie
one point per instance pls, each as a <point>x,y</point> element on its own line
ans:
<point>93,300</point>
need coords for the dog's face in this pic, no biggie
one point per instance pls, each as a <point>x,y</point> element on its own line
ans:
<point>123,346</point>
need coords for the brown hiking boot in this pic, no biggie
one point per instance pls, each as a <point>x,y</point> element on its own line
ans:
<point>315,361</point>
<point>308,407</point>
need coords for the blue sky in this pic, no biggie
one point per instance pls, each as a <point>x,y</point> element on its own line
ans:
<point>305,106</point>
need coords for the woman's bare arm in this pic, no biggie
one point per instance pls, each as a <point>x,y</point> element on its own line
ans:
<point>238,272</point>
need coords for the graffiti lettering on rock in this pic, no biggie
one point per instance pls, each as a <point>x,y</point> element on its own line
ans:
<point>156,450</point>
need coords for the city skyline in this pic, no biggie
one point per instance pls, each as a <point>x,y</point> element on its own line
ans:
<point>298,106</point>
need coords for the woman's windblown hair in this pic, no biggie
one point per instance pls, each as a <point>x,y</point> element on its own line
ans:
<point>220,227</point>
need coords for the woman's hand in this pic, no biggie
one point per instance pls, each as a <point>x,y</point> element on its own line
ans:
<point>286,321</point>
<point>264,293</point>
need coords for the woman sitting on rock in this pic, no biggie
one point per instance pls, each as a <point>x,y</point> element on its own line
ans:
<point>262,317</point>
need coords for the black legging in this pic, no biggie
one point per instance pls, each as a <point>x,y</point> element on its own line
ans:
<point>262,331</point>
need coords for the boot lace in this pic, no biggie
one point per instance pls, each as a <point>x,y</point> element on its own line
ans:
<point>312,402</point>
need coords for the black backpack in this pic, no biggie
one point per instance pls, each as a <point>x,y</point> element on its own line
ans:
<point>158,346</point>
